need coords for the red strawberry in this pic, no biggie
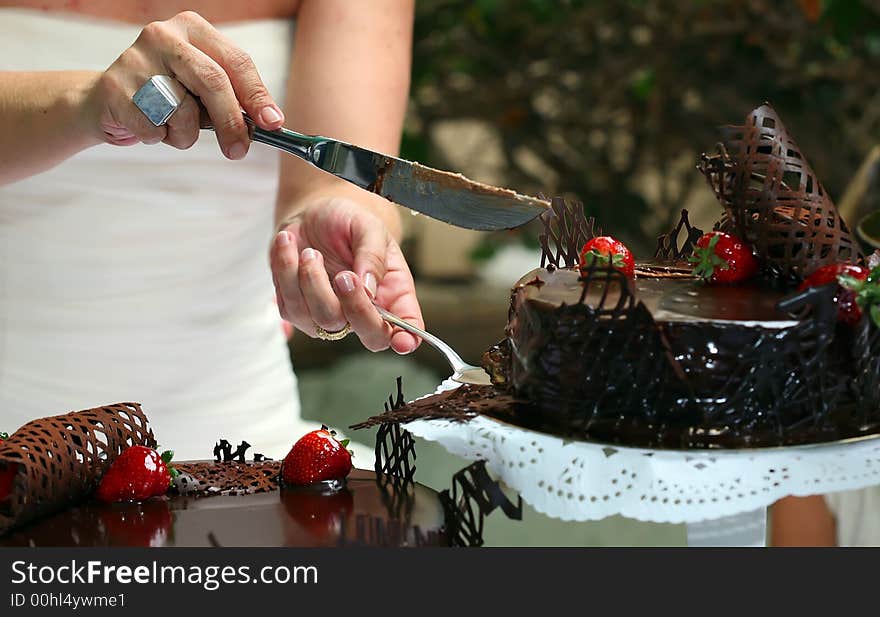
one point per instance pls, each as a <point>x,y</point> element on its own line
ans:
<point>144,524</point>
<point>139,473</point>
<point>848,310</point>
<point>7,474</point>
<point>321,514</point>
<point>317,456</point>
<point>7,477</point>
<point>722,258</point>
<point>605,249</point>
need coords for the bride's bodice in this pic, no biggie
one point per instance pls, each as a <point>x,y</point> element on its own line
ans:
<point>141,273</point>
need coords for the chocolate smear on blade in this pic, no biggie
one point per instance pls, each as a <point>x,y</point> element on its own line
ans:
<point>58,461</point>
<point>775,200</point>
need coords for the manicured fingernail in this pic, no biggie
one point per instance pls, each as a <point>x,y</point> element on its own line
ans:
<point>237,150</point>
<point>282,239</point>
<point>370,284</point>
<point>270,115</point>
<point>345,283</point>
<point>307,256</point>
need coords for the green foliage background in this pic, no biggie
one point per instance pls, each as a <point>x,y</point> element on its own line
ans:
<point>604,92</point>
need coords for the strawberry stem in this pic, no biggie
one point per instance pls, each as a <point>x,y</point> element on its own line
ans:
<point>603,259</point>
<point>867,292</point>
<point>4,435</point>
<point>706,261</point>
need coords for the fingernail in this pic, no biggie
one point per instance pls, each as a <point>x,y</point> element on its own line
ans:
<point>237,150</point>
<point>307,256</point>
<point>282,239</point>
<point>345,283</point>
<point>370,285</point>
<point>270,115</point>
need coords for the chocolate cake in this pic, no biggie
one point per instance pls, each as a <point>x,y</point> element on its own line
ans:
<point>50,468</point>
<point>365,512</point>
<point>664,359</point>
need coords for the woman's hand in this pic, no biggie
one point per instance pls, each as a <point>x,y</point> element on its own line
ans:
<point>331,261</point>
<point>208,65</point>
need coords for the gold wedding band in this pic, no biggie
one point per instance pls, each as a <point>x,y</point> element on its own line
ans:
<point>326,335</point>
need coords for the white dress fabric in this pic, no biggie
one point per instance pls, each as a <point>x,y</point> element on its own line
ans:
<point>857,514</point>
<point>141,273</point>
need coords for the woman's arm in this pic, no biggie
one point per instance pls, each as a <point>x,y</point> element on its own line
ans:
<point>48,117</point>
<point>802,521</point>
<point>44,120</point>
<point>349,80</point>
<point>337,245</point>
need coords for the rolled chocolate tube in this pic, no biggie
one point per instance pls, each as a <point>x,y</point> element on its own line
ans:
<point>51,463</point>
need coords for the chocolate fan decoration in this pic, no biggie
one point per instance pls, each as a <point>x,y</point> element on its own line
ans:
<point>774,199</point>
<point>57,461</point>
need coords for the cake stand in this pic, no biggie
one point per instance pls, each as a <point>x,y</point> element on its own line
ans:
<point>721,495</point>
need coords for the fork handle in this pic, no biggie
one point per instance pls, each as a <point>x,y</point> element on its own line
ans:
<point>454,359</point>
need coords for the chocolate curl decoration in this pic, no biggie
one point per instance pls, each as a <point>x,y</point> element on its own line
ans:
<point>566,230</point>
<point>58,461</point>
<point>774,199</point>
<point>475,495</point>
<point>668,247</point>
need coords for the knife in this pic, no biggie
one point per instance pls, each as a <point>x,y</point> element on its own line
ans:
<point>442,195</point>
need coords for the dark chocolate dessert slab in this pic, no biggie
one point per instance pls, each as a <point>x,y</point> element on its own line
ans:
<point>363,513</point>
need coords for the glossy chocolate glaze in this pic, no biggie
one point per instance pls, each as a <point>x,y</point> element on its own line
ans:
<point>364,512</point>
<point>670,362</point>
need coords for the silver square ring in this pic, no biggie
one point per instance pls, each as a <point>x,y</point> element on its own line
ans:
<point>159,98</point>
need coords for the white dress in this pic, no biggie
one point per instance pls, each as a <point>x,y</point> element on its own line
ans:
<point>141,273</point>
<point>857,515</point>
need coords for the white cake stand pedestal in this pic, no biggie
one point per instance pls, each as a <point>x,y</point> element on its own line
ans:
<point>721,495</point>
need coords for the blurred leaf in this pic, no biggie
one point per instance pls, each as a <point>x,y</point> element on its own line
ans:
<point>643,83</point>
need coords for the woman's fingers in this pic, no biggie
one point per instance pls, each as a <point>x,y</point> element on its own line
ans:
<point>365,321</point>
<point>249,88</point>
<point>183,126</point>
<point>284,260</point>
<point>221,75</point>
<point>323,305</point>
<point>202,76</point>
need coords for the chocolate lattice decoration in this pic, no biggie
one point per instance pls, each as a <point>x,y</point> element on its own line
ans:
<point>566,230</point>
<point>58,461</point>
<point>397,411</point>
<point>227,478</point>
<point>670,248</point>
<point>395,447</point>
<point>474,496</point>
<point>775,200</point>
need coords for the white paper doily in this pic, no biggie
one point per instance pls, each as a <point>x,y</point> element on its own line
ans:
<point>580,481</point>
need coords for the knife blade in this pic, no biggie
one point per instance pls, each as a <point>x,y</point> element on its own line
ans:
<point>442,195</point>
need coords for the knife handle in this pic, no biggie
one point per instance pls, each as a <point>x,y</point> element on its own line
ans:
<point>302,146</point>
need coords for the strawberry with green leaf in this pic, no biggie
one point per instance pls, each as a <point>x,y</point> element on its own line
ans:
<point>723,258</point>
<point>865,291</point>
<point>316,457</point>
<point>605,250</point>
<point>137,474</point>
